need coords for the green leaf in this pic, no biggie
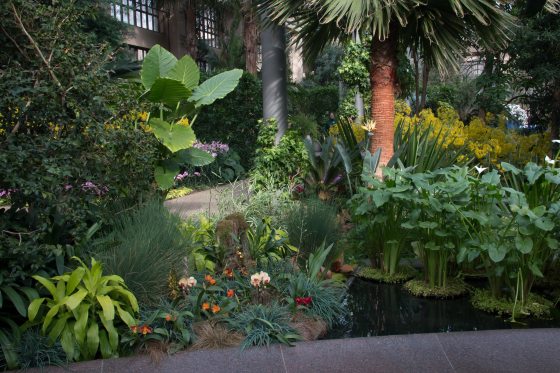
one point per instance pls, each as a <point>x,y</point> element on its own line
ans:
<point>81,323</point>
<point>552,243</point>
<point>168,91</point>
<point>523,244</point>
<point>75,279</point>
<point>497,254</point>
<point>49,316</point>
<point>186,71</point>
<point>165,174</point>
<point>34,307</point>
<point>194,157</point>
<point>16,299</point>
<point>158,63</point>
<point>107,305</point>
<point>10,356</point>
<point>92,338</point>
<point>175,137</point>
<point>125,316</point>
<point>112,332</point>
<point>74,300</point>
<point>59,326</point>
<point>67,342</point>
<point>510,168</point>
<point>105,347</point>
<point>216,87</point>
<point>47,284</point>
<point>545,224</point>
<point>535,269</point>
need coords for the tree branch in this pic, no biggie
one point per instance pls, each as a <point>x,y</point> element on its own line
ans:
<point>15,43</point>
<point>36,47</point>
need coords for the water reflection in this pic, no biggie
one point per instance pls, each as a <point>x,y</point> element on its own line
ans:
<point>383,309</point>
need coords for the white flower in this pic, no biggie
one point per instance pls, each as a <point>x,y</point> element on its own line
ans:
<point>265,278</point>
<point>556,141</point>
<point>256,280</point>
<point>187,282</point>
<point>480,169</point>
<point>191,281</point>
<point>549,161</point>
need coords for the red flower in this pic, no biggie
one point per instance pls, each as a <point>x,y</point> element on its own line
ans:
<point>230,293</point>
<point>303,301</point>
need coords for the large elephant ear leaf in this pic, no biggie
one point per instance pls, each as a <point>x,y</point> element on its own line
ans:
<point>168,91</point>
<point>186,71</point>
<point>157,63</point>
<point>175,137</point>
<point>194,157</point>
<point>216,87</point>
<point>165,173</point>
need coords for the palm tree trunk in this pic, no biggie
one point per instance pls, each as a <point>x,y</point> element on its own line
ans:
<point>250,37</point>
<point>383,79</point>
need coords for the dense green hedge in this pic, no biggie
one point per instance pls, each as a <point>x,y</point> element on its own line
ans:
<point>233,119</point>
<point>316,101</point>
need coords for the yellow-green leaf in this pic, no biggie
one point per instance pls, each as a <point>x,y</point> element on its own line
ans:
<point>112,332</point>
<point>81,323</point>
<point>125,316</point>
<point>74,279</point>
<point>47,284</point>
<point>75,299</point>
<point>107,304</point>
<point>92,338</point>
<point>67,342</point>
<point>49,316</point>
<point>34,307</point>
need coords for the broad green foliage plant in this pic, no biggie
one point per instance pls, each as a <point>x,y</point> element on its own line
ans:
<point>280,165</point>
<point>84,311</point>
<point>173,87</point>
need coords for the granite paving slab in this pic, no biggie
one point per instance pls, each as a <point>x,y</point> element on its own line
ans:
<point>533,350</point>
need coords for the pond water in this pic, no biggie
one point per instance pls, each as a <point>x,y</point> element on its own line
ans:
<point>385,309</point>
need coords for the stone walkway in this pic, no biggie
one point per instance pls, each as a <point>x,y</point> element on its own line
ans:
<point>204,201</point>
<point>535,350</point>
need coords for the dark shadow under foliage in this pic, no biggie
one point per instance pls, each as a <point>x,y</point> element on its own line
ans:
<point>234,119</point>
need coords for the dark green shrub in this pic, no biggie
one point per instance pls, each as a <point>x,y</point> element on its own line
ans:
<point>279,165</point>
<point>234,119</point>
<point>316,101</point>
<point>144,248</point>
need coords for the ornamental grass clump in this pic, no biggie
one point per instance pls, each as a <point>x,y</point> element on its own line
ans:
<point>144,247</point>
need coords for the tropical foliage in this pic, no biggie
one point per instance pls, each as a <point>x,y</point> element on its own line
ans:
<point>173,86</point>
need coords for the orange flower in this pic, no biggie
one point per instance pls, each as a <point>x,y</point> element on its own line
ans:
<point>134,328</point>
<point>205,306</point>
<point>230,293</point>
<point>168,317</point>
<point>228,272</point>
<point>145,329</point>
<point>215,308</point>
<point>209,280</point>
